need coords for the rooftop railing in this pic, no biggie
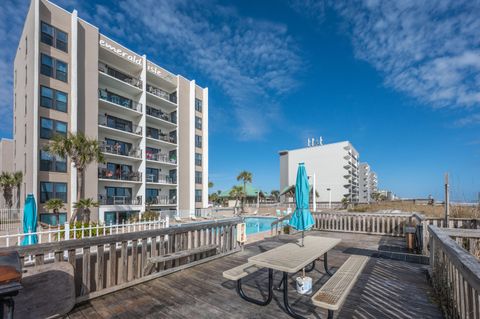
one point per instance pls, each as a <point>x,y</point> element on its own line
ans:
<point>104,68</point>
<point>119,100</point>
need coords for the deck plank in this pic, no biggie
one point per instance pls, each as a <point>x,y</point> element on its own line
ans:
<point>386,289</point>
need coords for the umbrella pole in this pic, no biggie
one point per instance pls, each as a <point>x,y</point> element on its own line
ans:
<point>303,234</point>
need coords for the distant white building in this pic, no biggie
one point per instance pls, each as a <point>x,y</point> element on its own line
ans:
<point>367,183</point>
<point>335,167</point>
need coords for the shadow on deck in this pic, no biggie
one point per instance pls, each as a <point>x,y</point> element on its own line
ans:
<point>387,288</point>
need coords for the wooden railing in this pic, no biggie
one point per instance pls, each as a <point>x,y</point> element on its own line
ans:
<point>108,263</point>
<point>366,223</point>
<point>455,272</point>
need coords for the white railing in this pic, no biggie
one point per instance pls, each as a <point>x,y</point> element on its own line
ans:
<point>73,231</point>
<point>10,218</point>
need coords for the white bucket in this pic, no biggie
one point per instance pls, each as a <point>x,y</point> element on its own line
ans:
<point>304,285</point>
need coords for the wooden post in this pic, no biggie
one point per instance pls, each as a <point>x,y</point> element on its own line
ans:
<point>447,201</point>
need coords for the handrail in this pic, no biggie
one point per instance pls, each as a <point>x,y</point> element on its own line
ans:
<point>455,275</point>
<point>109,263</point>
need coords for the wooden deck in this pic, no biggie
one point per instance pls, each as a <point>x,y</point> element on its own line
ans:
<point>387,288</point>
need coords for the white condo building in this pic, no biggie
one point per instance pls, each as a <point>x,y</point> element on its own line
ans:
<point>335,166</point>
<point>367,183</point>
<point>152,124</point>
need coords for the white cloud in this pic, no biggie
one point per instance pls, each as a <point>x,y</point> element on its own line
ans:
<point>426,49</point>
<point>472,119</point>
<point>252,61</point>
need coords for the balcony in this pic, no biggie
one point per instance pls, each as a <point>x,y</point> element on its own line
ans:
<point>162,200</point>
<point>160,136</point>
<point>119,200</point>
<point>118,100</point>
<point>104,173</point>
<point>119,125</point>
<point>119,151</point>
<point>161,179</point>
<point>161,158</point>
<point>163,116</point>
<point>162,93</point>
<point>105,69</point>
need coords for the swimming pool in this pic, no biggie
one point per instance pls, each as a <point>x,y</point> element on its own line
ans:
<point>258,224</point>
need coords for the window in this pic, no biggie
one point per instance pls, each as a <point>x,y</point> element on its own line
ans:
<point>62,71</point>
<point>54,68</point>
<point>62,40</point>
<point>26,75</point>
<point>49,128</point>
<point>198,105</point>
<point>49,190</point>
<point>198,141</point>
<point>198,122</point>
<point>54,37</point>
<point>152,174</point>
<point>151,195</point>
<point>198,177</point>
<point>53,99</point>
<point>122,148</point>
<point>25,134</point>
<point>198,159</point>
<point>26,45</point>
<point>198,196</point>
<point>25,104</point>
<point>118,195</point>
<point>51,163</point>
<point>48,34</point>
<point>47,65</point>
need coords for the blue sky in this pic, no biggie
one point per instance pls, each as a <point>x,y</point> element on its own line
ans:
<point>399,79</point>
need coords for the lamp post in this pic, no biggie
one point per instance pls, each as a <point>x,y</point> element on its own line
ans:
<point>329,190</point>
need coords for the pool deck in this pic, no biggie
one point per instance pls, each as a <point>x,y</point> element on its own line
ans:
<point>387,288</point>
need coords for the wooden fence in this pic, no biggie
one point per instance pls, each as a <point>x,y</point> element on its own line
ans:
<point>108,263</point>
<point>455,272</point>
<point>365,223</point>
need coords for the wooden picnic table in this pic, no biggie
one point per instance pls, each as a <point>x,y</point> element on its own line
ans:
<point>291,258</point>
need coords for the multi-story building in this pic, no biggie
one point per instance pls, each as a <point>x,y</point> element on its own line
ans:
<point>152,125</point>
<point>6,155</point>
<point>335,167</point>
<point>367,183</point>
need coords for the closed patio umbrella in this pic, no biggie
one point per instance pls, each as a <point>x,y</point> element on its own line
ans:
<point>302,218</point>
<point>30,220</point>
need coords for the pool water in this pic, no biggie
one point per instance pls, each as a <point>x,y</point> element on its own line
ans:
<point>258,224</point>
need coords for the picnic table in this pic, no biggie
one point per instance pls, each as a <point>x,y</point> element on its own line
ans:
<point>289,259</point>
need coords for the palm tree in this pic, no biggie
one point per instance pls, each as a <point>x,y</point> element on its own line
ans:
<point>82,151</point>
<point>7,183</point>
<point>276,194</point>
<point>245,177</point>
<point>84,205</point>
<point>54,204</point>
<point>210,184</point>
<point>18,179</point>
<point>237,193</point>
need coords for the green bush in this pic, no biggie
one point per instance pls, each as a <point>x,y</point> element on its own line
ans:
<point>86,232</point>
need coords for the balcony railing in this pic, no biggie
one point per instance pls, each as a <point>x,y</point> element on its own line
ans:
<point>160,114</point>
<point>119,200</point>
<point>161,179</point>
<point>105,173</point>
<point>119,125</point>
<point>164,158</point>
<point>162,93</point>
<point>104,68</point>
<point>118,150</point>
<point>162,137</point>
<point>162,200</point>
<point>105,95</point>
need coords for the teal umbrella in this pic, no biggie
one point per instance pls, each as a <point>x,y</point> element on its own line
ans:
<point>30,221</point>
<point>302,218</point>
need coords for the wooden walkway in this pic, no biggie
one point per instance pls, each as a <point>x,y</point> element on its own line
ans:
<point>387,288</point>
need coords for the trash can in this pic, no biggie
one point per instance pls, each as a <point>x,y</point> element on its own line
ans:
<point>410,237</point>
